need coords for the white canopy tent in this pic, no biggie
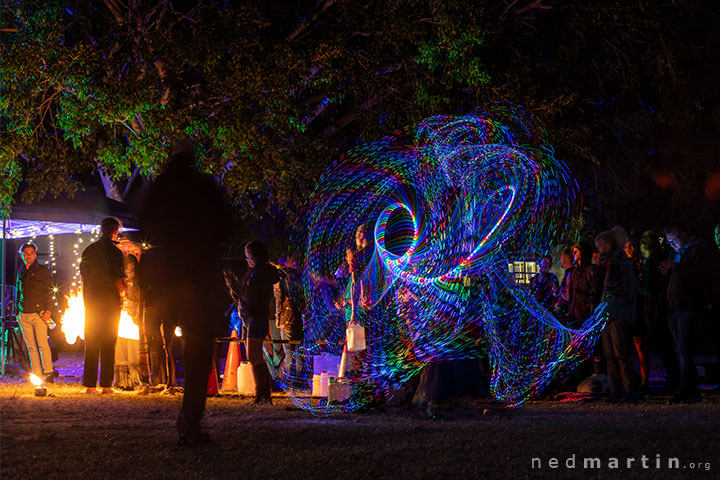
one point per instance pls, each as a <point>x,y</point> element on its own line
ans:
<point>81,214</point>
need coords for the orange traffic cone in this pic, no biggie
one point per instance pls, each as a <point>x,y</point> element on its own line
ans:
<point>232,362</point>
<point>212,387</point>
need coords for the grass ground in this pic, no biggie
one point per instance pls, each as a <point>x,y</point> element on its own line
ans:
<point>72,435</point>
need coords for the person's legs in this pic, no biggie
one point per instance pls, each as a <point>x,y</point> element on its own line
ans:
<point>198,359</point>
<point>666,351</point>
<point>153,323</point>
<point>289,358</point>
<point>108,341</point>
<point>41,337</point>
<point>261,375</point>
<point>191,305</point>
<point>168,334</point>
<point>643,359</point>
<point>685,323</point>
<point>28,329</point>
<point>143,354</point>
<point>622,344</point>
<point>672,326</point>
<point>610,360</point>
<point>92,346</point>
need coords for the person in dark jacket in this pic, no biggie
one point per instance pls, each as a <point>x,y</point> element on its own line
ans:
<point>688,292</point>
<point>632,251</point>
<point>563,299</point>
<point>544,284</point>
<point>159,325</point>
<point>186,214</point>
<point>653,289</point>
<point>257,293</point>
<point>103,275</point>
<point>580,285</point>
<point>619,288</point>
<point>34,299</point>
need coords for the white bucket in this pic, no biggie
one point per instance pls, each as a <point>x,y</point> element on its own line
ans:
<point>246,381</point>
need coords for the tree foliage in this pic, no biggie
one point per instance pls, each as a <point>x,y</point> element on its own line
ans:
<point>273,91</point>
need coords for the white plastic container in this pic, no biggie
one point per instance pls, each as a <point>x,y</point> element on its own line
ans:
<point>324,384</point>
<point>355,336</point>
<point>246,382</point>
<point>316,385</point>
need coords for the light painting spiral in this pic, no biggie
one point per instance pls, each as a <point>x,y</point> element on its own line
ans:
<point>443,218</point>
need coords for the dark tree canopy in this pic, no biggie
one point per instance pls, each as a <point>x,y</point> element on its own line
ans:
<point>271,92</point>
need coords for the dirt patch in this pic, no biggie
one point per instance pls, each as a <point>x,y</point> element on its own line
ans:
<point>73,435</point>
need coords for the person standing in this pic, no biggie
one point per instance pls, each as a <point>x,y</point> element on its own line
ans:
<point>688,291</point>
<point>653,288</point>
<point>563,298</point>
<point>544,285</point>
<point>580,285</point>
<point>103,274</point>
<point>256,294</point>
<point>159,327</point>
<point>288,316</point>
<point>619,288</point>
<point>639,331</point>
<point>185,214</point>
<point>34,298</point>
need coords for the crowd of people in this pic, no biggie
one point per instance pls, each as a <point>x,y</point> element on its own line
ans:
<point>656,290</point>
<point>659,292</point>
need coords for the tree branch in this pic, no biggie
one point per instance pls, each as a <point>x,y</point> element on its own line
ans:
<point>320,7</point>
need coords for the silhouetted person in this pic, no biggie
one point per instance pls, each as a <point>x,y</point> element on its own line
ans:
<point>580,285</point>
<point>256,295</point>
<point>187,216</point>
<point>544,284</point>
<point>619,288</point>
<point>103,276</point>
<point>639,333</point>
<point>562,305</point>
<point>653,288</point>
<point>159,326</point>
<point>688,293</point>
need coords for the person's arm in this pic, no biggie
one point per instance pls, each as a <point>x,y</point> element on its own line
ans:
<point>555,290</point>
<point>617,283</point>
<point>18,290</point>
<point>277,290</point>
<point>118,272</point>
<point>46,281</point>
<point>697,269</point>
<point>121,286</point>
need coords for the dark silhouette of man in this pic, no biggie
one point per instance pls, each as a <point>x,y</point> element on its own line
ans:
<point>186,214</point>
<point>159,326</point>
<point>688,292</point>
<point>103,276</point>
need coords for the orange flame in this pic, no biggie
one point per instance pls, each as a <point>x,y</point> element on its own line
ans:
<point>73,322</point>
